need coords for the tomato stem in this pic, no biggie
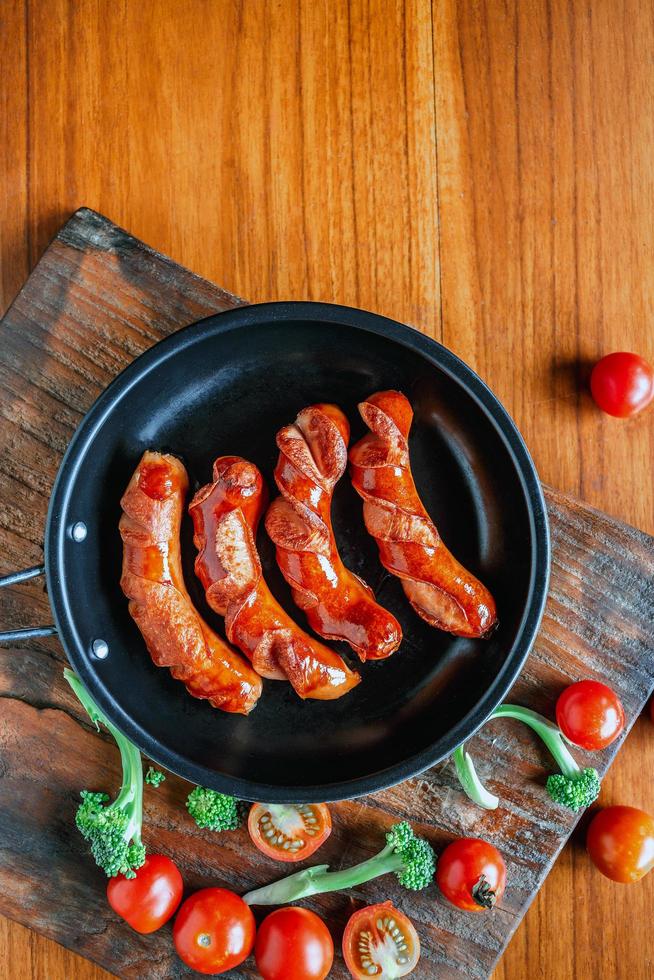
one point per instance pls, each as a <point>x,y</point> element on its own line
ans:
<point>483,894</point>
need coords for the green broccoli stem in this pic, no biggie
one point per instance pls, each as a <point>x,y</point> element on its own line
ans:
<point>470,781</point>
<point>131,791</point>
<point>548,732</point>
<point>319,879</point>
<point>130,796</point>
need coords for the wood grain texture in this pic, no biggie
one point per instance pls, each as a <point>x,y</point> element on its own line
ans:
<point>14,169</point>
<point>174,118</point>
<point>546,245</point>
<point>96,299</point>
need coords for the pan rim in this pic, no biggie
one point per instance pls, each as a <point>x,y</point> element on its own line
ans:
<point>264,314</point>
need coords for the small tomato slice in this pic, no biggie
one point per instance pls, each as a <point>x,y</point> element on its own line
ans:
<point>294,944</point>
<point>148,900</point>
<point>471,874</point>
<point>214,931</point>
<point>289,832</point>
<point>590,715</point>
<point>620,842</point>
<point>380,941</point>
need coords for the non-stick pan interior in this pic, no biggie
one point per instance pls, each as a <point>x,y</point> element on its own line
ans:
<point>227,386</point>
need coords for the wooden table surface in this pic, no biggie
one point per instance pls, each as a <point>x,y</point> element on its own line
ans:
<point>481,169</point>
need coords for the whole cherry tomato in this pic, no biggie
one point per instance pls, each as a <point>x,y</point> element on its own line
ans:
<point>620,842</point>
<point>380,941</point>
<point>471,873</point>
<point>590,715</point>
<point>622,384</point>
<point>149,899</point>
<point>294,944</point>
<point>214,931</point>
<point>289,831</point>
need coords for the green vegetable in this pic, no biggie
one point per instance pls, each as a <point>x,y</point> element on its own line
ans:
<point>410,857</point>
<point>573,787</point>
<point>113,831</point>
<point>154,777</point>
<point>213,810</point>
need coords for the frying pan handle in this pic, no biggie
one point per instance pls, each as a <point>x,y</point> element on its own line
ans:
<point>10,636</point>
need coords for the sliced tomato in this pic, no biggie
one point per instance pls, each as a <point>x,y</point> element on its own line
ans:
<point>380,942</point>
<point>289,831</point>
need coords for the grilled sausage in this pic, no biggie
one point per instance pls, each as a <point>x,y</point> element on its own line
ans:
<point>338,604</point>
<point>225,515</point>
<point>152,579</point>
<point>438,587</point>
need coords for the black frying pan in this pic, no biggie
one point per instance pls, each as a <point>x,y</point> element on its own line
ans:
<point>226,385</point>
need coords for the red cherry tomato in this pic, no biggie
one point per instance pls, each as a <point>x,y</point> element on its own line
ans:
<point>622,384</point>
<point>379,941</point>
<point>471,874</point>
<point>214,931</point>
<point>149,899</point>
<point>294,944</point>
<point>590,715</point>
<point>620,842</point>
<point>289,832</point>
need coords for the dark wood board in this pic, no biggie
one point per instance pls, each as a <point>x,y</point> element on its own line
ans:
<point>97,299</point>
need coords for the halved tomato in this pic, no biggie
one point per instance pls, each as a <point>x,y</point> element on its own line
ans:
<point>379,941</point>
<point>289,831</point>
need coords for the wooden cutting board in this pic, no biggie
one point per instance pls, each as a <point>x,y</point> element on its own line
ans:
<point>96,300</point>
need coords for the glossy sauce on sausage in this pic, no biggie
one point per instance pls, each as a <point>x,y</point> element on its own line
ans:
<point>337,603</point>
<point>225,515</point>
<point>439,588</point>
<point>175,634</point>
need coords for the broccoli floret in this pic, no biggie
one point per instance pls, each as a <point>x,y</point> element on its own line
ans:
<point>573,787</point>
<point>154,777</point>
<point>575,792</point>
<point>416,854</point>
<point>113,830</point>
<point>213,810</point>
<point>409,857</point>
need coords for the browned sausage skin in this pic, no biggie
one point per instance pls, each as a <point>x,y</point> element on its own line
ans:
<point>175,634</point>
<point>338,604</point>
<point>225,515</point>
<point>438,587</point>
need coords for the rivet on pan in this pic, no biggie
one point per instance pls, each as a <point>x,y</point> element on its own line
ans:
<point>100,649</point>
<point>78,531</point>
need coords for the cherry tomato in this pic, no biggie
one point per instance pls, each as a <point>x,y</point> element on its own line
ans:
<point>150,899</point>
<point>620,842</point>
<point>590,715</point>
<point>293,944</point>
<point>471,874</point>
<point>379,941</point>
<point>289,832</point>
<point>622,384</point>
<point>214,931</point>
